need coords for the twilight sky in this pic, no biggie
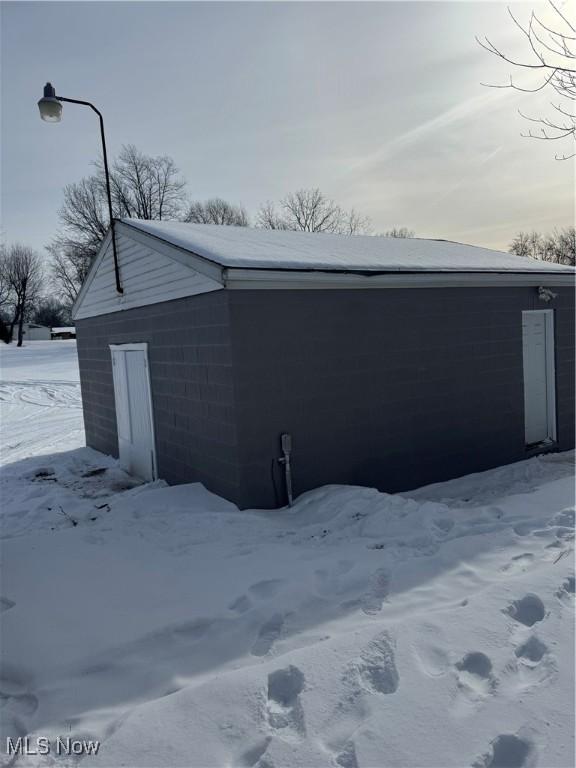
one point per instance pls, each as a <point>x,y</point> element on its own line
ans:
<point>378,104</point>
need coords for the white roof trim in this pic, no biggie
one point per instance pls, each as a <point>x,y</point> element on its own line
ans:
<point>243,279</point>
<point>91,272</point>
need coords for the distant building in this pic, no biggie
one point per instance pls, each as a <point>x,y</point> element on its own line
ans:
<point>64,333</point>
<point>391,362</point>
<point>34,332</point>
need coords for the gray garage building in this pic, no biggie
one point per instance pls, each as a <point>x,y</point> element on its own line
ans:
<point>390,362</point>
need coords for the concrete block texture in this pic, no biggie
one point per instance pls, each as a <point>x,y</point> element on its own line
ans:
<point>392,388</point>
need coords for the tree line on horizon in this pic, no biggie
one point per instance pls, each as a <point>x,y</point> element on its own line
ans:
<point>152,188</point>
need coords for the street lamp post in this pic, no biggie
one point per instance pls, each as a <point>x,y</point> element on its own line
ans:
<point>50,107</point>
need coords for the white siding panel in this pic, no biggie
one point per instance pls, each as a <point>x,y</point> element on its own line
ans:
<point>147,276</point>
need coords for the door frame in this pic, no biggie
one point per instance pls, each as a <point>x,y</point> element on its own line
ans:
<point>551,415</point>
<point>142,347</point>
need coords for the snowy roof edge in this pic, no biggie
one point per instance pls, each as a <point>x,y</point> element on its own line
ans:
<point>287,251</point>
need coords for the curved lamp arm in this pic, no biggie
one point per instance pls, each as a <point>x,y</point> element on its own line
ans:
<point>50,96</point>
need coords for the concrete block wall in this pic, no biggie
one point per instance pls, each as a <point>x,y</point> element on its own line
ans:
<point>387,388</point>
<point>191,379</point>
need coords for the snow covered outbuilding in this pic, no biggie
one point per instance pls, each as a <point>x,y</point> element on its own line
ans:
<point>64,332</point>
<point>390,362</point>
<point>35,332</point>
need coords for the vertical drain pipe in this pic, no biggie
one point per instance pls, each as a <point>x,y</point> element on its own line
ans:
<point>286,443</point>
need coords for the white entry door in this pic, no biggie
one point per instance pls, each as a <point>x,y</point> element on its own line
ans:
<point>134,410</point>
<point>539,376</point>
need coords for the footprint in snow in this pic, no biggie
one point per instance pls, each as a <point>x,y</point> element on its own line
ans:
<point>269,632</point>
<point>474,673</point>
<point>377,592</point>
<point>532,666</point>
<point>347,757</point>
<point>518,564</point>
<point>507,751</point>
<point>329,581</point>
<point>284,711</point>
<point>443,525</point>
<point>528,610</point>
<point>532,651</point>
<point>566,589</point>
<point>241,604</point>
<point>429,649</point>
<point>16,703</point>
<point>376,668</point>
<point>261,591</point>
<point>6,604</point>
<point>565,519</point>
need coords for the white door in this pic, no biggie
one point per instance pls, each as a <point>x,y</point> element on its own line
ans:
<point>539,383</point>
<point>134,410</point>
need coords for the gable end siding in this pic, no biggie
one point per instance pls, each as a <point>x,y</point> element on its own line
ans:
<point>147,276</point>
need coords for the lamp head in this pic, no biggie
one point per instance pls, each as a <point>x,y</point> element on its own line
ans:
<point>49,106</point>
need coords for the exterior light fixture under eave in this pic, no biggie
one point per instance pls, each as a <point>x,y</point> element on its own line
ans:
<point>49,106</point>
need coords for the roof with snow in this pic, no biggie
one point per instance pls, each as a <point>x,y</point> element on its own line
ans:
<point>247,248</point>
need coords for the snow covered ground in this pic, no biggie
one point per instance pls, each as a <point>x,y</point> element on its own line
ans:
<point>40,403</point>
<point>430,629</point>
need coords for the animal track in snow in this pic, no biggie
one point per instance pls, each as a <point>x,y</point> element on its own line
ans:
<point>268,634</point>
<point>507,751</point>
<point>284,708</point>
<point>376,667</point>
<point>528,610</point>
<point>377,592</point>
<point>6,604</point>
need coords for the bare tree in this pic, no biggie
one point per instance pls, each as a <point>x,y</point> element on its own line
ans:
<point>217,211</point>
<point>142,187</point>
<point>22,269</point>
<point>70,264</point>
<point>268,217</point>
<point>5,296</point>
<point>353,223</point>
<point>398,232</point>
<point>558,247</point>
<point>309,210</point>
<point>145,187</point>
<point>52,313</point>
<point>552,51</point>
